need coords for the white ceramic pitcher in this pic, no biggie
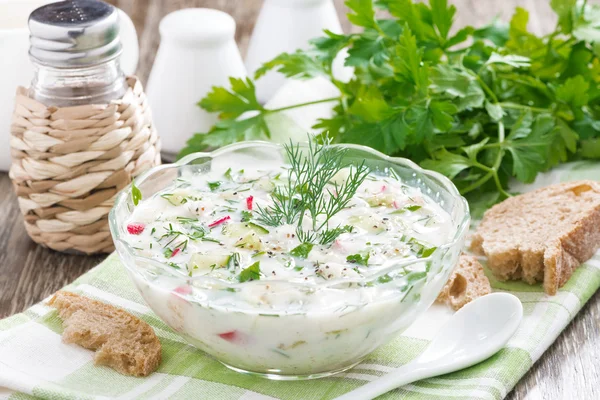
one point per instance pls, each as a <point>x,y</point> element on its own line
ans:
<point>197,51</point>
<point>285,26</point>
<point>16,69</point>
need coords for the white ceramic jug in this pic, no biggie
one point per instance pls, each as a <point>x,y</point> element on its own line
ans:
<point>197,51</point>
<point>285,26</point>
<point>16,69</point>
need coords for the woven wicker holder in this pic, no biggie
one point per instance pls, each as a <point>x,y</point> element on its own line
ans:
<point>70,162</point>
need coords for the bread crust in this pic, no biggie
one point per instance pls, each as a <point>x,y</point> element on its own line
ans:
<point>121,340</point>
<point>467,282</point>
<point>542,236</point>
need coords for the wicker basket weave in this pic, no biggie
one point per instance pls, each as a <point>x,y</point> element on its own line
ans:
<point>69,163</point>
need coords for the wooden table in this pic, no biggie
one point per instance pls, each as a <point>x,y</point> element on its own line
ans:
<point>28,273</point>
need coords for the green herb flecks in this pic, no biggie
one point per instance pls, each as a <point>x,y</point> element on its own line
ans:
<point>252,273</point>
<point>360,259</point>
<point>412,208</point>
<point>233,261</point>
<point>214,185</point>
<point>421,250</point>
<point>302,250</point>
<point>246,216</point>
<point>192,231</point>
<point>136,194</point>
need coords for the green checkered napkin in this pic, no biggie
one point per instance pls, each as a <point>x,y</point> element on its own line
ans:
<point>34,362</point>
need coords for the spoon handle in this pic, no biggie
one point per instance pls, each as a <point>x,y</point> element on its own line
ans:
<point>402,376</point>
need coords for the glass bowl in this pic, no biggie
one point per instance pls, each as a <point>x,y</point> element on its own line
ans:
<point>353,316</point>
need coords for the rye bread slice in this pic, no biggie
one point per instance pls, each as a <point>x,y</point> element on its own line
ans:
<point>121,341</point>
<point>542,236</point>
<point>466,283</point>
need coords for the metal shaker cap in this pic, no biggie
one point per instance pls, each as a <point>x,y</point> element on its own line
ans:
<point>74,33</point>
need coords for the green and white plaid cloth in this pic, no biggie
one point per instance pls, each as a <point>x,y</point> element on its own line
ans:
<point>34,363</point>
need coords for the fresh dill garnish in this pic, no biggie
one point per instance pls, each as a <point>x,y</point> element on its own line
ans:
<point>329,235</point>
<point>233,261</point>
<point>228,174</point>
<point>193,231</point>
<point>312,192</point>
<point>184,220</point>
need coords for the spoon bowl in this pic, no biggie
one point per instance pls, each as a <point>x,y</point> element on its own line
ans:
<point>473,334</point>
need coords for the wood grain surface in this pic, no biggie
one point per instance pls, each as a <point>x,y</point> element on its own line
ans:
<point>28,273</point>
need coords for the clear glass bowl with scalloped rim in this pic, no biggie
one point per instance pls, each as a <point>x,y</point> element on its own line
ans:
<point>278,327</point>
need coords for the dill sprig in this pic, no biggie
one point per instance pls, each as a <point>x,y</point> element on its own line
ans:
<point>310,192</point>
<point>194,232</point>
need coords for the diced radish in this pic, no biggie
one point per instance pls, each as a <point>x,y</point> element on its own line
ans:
<point>219,221</point>
<point>183,289</point>
<point>249,202</point>
<point>383,188</point>
<point>135,229</point>
<point>175,252</point>
<point>395,204</point>
<point>231,336</point>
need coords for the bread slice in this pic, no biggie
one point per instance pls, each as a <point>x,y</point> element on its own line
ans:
<point>542,236</point>
<point>122,341</point>
<point>466,283</point>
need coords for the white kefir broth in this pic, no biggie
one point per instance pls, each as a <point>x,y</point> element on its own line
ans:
<point>266,304</point>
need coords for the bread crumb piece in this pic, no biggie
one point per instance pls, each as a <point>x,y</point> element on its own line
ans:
<point>121,341</point>
<point>466,283</point>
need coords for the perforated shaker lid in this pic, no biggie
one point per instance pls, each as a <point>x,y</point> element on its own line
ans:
<point>74,33</point>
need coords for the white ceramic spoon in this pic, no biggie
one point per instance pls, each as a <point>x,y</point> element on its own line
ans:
<point>476,332</point>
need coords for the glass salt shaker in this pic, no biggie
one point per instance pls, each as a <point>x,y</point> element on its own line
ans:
<point>75,50</point>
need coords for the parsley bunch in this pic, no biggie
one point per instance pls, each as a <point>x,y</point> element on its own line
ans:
<point>479,105</point>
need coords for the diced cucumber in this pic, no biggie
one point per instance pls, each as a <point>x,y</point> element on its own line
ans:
<point>264,184</point>
<point>250,241</point>
<point>386,200</point>
<point>176,198</point>
<point>201,264</point>
<point>369,223</point>
<point>239,230</point>
<point>341,176</point>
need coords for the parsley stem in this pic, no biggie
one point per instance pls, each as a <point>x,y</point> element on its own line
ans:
<point>265,127</point>
<point>486,88</point>
<point>477,183</point>
<point>304,104</point>
<point>522,107</point>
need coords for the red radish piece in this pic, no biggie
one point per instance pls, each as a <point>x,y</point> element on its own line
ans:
<point>383,188</point>
<point>231,336</point>
<point>249,202</point>
<point>395,204</point>
<point>183,289</point>
<point>175,252</point>
<point>219,221</point>
<point>135,229</point>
